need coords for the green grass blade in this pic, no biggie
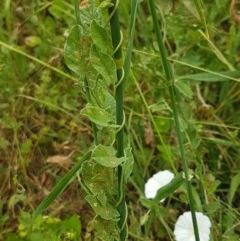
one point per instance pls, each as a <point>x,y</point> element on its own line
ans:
<point>200,10</point>
<point>225,74</point>
<point>127,60</point>
<point>212,77</point>
<point>50,105</point>
<point>59,188</point>
<point>170,82</point>
<point>235,183</point>
<point>216,51</point>
<point>58,71</point>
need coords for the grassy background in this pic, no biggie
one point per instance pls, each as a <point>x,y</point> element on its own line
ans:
<point>40,105</point>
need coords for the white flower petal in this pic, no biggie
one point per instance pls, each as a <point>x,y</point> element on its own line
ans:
<point>157,181</point>
<point>184,227</point>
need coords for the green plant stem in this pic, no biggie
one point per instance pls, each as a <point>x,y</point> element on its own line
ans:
<point>116,41</point>
<point>7,13</point>
<point>199,6</point>
<point>170,82</point>
<point>128,54</point>
<point>77,13</point>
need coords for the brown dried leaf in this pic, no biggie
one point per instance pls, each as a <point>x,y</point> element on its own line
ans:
<point>83,4</point>
<point>61,160</point>
<point>149,135</point>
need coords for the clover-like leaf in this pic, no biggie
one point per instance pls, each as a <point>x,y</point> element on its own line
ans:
<point>101,38</point>
<point>76,51</point>
<point>104,64</point>
<point>97,115</point>
<point>106,156</point>
<point>95,176</point>
<point>106,211</point>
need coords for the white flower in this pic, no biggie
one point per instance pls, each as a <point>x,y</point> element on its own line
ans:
<point>183,230</point>
<point>157,181</point>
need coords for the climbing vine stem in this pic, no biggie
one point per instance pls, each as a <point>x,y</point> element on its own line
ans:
<point>118,57</point>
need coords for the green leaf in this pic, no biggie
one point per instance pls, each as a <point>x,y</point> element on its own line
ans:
<point>106,156</point>
<point>76,51</point>
<point>106,4</point>
<point>106,100</point>
<point>222,142</point>
<point>212,207</point>
<point>102,198</point>
<point>95,176</point>
<point>4,143</point>
<point>97,115</point>
<point>59,8</point>
<point>62,184</point>
<point>72,224</point>
<point>36,236</point>
<point>106,212</point>
<point>233,187</point>
<point>128,164</point>
<point>212,77</point>
<point>103,64</point>
<point>184,88</point>
<point>169,189</point>
<point>103,230</point>
<point>26,146</point>
<point>12,237</point>
<point>145,217</point>
<point>147,203</point>
<point>101,38</point>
